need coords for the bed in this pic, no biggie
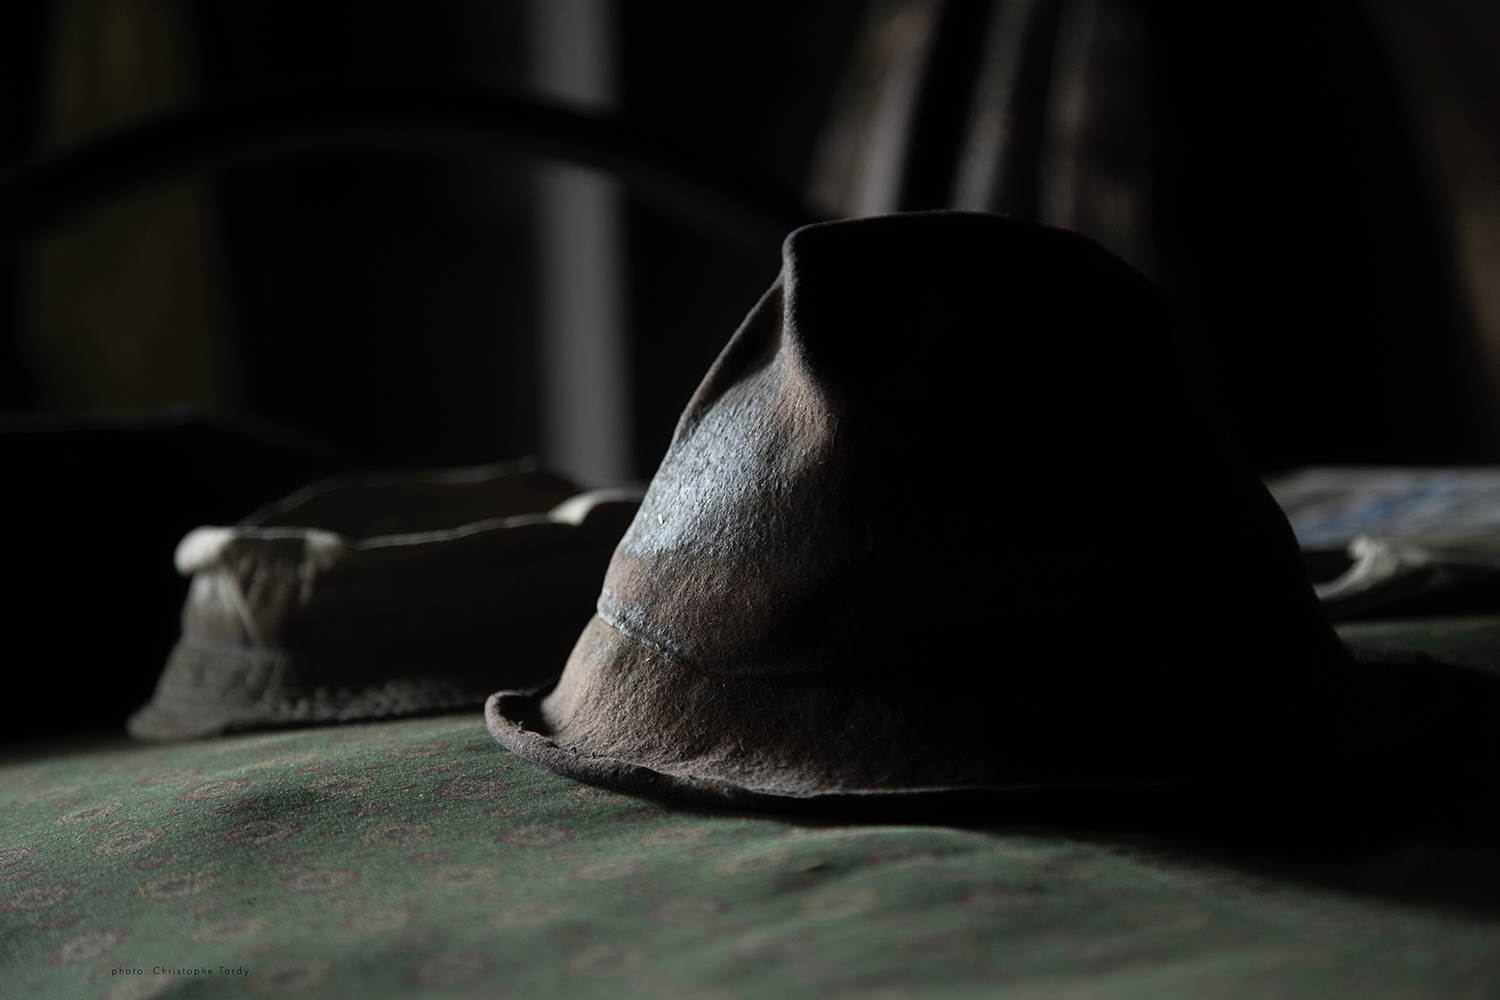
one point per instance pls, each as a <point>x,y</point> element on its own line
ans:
<point>419,858</point>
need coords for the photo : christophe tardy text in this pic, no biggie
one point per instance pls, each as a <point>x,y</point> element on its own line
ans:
<point>172,970</point>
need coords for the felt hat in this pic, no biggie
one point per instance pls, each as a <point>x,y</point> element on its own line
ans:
<point>944,515</point>
<point>371,596</point>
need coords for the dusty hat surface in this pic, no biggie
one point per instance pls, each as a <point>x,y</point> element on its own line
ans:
<point>364,597</point>
<point>945,514</point>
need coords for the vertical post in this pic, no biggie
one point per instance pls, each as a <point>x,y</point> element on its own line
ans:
<point>586,427</point>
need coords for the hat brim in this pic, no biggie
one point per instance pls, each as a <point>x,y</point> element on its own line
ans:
<point>588,725</point>
<point>1419,722</point>
<point>505,712</point>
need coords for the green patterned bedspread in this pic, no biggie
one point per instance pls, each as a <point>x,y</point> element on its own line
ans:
<point>420,859</point>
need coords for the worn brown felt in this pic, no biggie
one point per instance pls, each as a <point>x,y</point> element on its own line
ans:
<point>944,514</point>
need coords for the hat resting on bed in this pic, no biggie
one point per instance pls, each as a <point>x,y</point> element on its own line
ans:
<point>945,514</point>
<point>363,597</point>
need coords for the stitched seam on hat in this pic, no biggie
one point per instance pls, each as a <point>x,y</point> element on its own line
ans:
<point>789,669</point>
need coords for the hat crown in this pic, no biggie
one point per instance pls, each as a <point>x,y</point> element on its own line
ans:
<point>932,422</point>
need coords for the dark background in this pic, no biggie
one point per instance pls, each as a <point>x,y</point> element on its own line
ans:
<point>1302,246</point>
<point>384,310</point>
